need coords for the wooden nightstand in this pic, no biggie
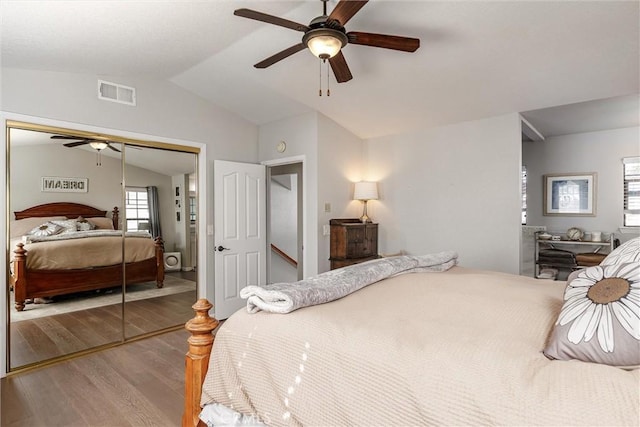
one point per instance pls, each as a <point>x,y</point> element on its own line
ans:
<point>352,242</point>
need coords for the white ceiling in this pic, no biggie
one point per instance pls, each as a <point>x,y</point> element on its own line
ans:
<point>164,162</point>
<point>477,58</point>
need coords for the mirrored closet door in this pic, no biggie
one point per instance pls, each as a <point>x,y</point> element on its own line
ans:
<point>92,219</point>
<point>160,196</point>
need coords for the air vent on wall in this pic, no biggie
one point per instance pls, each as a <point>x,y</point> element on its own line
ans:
<point>116,93</point>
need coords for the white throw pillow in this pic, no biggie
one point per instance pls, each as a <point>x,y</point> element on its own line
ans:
<point>600,319</point>
<point>68,225</point>
<point>46,229</point>
<point>627,252</point>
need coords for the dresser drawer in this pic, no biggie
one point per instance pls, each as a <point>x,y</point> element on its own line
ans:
<point>352,240</point>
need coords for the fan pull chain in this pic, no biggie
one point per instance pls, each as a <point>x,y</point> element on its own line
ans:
<point>328,90</point>
<point>324,61</point>
<point>98,159</point>
<point>320,90</point>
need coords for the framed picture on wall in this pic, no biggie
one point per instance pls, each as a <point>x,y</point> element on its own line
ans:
<point>56,184</point>
<point>570,194</point>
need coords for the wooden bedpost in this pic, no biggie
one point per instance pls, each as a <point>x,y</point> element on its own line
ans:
<point>115,218</point>
<point>197,360</point>
<point>159,244</point>
<point>19,276</point>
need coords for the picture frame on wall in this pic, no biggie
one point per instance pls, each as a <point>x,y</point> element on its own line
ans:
<point>57,184</point>
<point>570,194</point>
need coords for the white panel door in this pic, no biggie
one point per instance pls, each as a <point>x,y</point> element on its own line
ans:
<point>240,232</point>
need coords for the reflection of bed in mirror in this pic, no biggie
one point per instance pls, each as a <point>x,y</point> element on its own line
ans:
<point>52,262</point>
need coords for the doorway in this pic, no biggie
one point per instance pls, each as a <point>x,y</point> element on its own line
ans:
<point>285,223</point>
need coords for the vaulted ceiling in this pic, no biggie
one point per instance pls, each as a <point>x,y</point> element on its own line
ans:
<point>477,58</point>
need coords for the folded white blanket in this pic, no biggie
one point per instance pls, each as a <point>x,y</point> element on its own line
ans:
<point>287,297</point>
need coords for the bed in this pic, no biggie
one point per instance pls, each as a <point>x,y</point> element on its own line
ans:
<point>45,264</point>
<point>457,347</point>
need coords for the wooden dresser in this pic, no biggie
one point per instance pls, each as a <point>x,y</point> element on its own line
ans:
<point>352,242</point>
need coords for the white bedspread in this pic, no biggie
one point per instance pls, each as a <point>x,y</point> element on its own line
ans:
<point>462,347</point>
<point>86,250</point>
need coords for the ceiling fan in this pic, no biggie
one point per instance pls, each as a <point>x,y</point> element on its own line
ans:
<point>325,36</point>
<point>96,144</point>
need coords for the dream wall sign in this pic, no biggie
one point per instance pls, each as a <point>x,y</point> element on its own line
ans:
<point>54,184</point>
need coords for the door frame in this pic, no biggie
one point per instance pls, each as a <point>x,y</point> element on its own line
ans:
<point>305,238</point>
<point>298,169</point>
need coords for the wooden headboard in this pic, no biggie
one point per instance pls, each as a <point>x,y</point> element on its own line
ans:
<point>70,210</point>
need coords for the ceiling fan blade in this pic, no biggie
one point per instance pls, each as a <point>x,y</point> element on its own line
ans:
<point>76,144</point>
<point>270,19</point>
<point>280,56</point>
<point>66,137</point>
<point>340,68</point>
<point>113,148</point>
<point>345,9</point>
<point>405,44</point>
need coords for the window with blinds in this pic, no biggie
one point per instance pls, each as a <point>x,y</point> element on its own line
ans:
<point>137,206</point>
<point>631,191</point>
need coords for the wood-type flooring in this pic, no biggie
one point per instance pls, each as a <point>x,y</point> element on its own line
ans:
<point>140,383</point>
<point>63,334</point>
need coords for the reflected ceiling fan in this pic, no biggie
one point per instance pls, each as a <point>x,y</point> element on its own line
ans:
<point>96,144</point>
<point>325,36</point>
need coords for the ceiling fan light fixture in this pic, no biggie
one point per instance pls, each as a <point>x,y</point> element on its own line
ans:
<point>98,145</point>
<point>324,43</point>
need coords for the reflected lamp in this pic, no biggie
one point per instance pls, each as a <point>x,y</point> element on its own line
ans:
<point>98,145</point>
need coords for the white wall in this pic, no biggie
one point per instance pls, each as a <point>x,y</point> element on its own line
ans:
<point>333,160</point>
<point>599,152</point>
<point>283,215</point>
<point>30,163</point>
<point>341,163</point>
<point>451,188</point>
<point>301,135</point>
<point>284,236</point>
<point>163,109</point>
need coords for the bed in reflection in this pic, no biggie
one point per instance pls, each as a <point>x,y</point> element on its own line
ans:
<point>62,248</point>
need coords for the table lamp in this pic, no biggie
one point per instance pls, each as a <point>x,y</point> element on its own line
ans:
<point>365,191</point>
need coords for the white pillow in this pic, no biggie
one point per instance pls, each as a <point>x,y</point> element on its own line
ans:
<point>20,227</point>
<point>599,321</point>
<point>46,229</point>
<point>627,252</point>
<point>68,225</point>
<point>84,224</point>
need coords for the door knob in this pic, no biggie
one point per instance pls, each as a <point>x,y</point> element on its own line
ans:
<point>221,248</point>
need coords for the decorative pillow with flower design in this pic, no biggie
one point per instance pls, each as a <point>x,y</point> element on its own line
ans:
<point>84,224</point>
<point>600,319</point>
<point>68,225</point>
<point>629,251</point>
<point>46,229</point>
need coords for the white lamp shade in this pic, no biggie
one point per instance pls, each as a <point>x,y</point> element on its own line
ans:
<point>98,145</point>
<point>364,190</point>
<point>324,46</point>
